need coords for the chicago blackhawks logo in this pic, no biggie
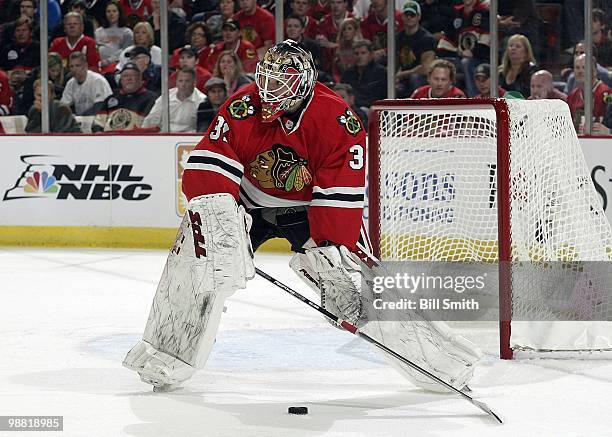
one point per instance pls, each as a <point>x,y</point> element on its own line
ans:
<point>281,168</point>
<point>241,108</point>
<point>350,122</point>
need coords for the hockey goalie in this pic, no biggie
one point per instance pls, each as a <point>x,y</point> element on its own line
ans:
<point>284,158</point>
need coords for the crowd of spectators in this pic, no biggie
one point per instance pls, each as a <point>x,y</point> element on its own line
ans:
<point>105,58</point>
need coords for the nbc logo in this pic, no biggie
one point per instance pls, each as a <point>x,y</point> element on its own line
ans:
<point>40,183</point>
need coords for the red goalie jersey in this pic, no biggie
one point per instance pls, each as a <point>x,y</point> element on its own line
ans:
<point>316,160</point>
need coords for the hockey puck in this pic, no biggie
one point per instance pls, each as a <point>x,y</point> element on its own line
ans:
<point>297,410</point>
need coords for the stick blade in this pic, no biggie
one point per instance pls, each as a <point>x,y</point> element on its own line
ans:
<point>484,407</point>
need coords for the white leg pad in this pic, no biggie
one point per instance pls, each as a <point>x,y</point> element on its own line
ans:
<point>432,346</point>
<point>211,259</point>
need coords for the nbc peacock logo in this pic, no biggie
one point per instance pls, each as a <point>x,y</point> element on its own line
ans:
<point>41,183</point>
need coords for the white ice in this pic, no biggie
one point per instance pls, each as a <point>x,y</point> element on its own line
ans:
<point>67,318</point>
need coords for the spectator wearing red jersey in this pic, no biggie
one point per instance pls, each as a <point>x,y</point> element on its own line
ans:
<point>374,26</point>
<point>136,10</point>
<point>602,95</point>
<point>467,38</point>
<point>319,9</point>
<point>482,78</point>
<point>75,41</point>
<point>327,31</point>
<point>198,37</point>
<point>188,59</point>
<point>233,42</point>
<point>299,8</point>
<point>257,25</point>
<point>542,87</point>
<point>6,95</point>
<point>441,79</point>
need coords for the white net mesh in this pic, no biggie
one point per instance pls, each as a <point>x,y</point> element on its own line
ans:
<point>438,202</point>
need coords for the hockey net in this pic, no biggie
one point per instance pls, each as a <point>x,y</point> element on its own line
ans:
<point>484,180</point>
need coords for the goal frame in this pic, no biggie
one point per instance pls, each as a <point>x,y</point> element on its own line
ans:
<point>503,192</point>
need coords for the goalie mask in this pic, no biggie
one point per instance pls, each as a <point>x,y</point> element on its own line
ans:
<point>285,76</point>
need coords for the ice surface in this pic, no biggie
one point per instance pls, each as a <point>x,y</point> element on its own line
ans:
<point>67,318</point>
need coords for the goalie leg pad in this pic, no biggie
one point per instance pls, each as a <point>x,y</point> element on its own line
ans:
<point>432,346</point>
<point>211,258</point>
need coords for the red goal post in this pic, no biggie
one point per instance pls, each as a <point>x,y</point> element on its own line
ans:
<point>470,142</point>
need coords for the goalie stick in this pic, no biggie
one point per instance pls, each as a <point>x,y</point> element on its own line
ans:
<point>354,330</point>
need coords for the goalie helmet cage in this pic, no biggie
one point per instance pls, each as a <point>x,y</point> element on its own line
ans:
<point>488,180</point>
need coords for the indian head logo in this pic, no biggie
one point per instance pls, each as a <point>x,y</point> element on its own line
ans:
<point>280,168</point>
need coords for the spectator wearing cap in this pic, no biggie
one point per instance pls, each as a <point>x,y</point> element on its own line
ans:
<point>257,25</point>
<point>467,39</point>
<point>232,41</point>
<point>127,107</point>
<point>441,79</point>
<point>198,38</point>
<point>416,49</point>
<point>143,36</point>
<point>374,26</point>
<point>367,78</point>
<point>542,87</point>
<point>188,59</point>
<point>229,68</point>
<point>184,99</point>
<point>60,116</point>
<point>24,52</point>
<point>75,41</point>
<point>482,79</point>
<point>151,73</point>
<point>113,36</point>
<point>346,92</point>
<point>216,92</point>
<point>86,90</point>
